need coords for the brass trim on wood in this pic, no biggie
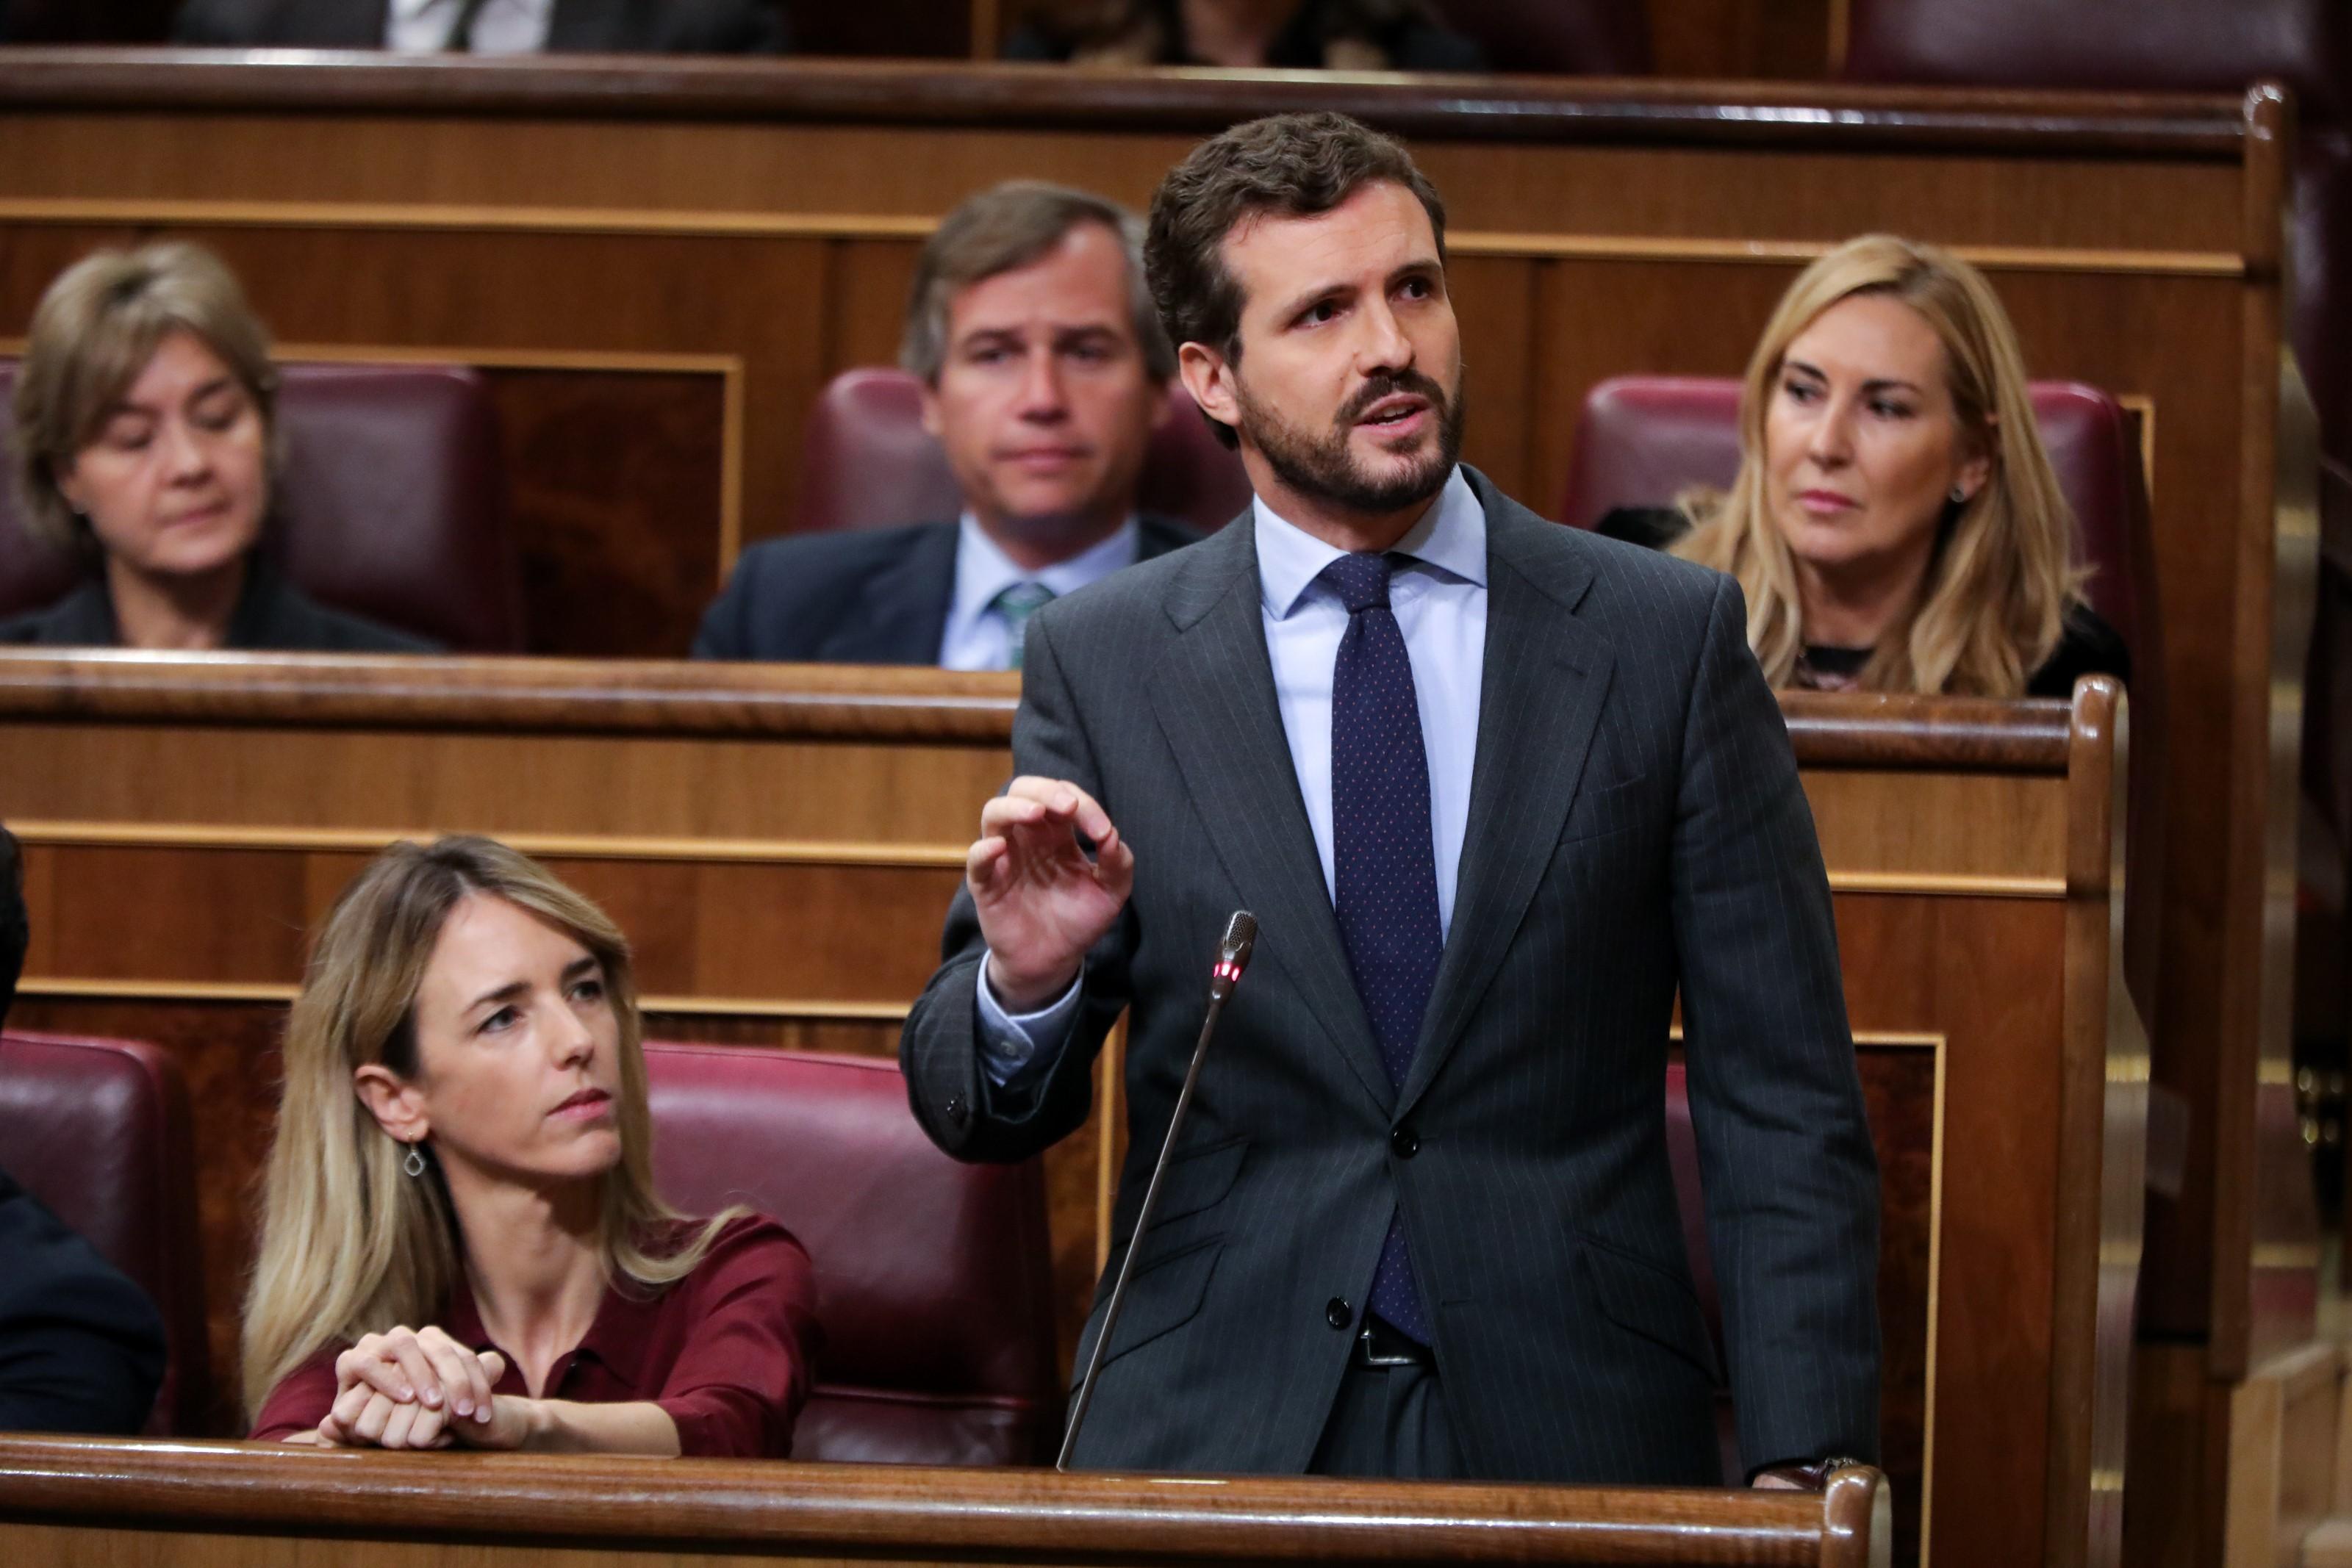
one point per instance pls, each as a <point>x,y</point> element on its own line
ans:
<point>553,846</point>
<point>158,990</point>
<point>71,989</point>
<point>1797,253</point>
<point>657,221</point>
<point>1944,885</point>
<point>450,215</point>
<point>782,852</point>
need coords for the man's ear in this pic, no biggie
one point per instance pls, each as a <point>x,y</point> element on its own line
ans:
<point>930,394</point>
<point>1160,408</point>
<point>1209,378</point>
<point>397,1105</point>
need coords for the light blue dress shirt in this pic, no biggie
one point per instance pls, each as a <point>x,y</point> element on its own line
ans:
<point>977,636</point>
<point>1439,598</point>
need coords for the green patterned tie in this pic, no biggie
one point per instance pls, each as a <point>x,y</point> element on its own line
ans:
<point>1017,604</point>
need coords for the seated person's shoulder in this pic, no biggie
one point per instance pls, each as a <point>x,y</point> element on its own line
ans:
<point>757,1247</point>
<point>724,26</point>
<point>1652,527</point>
<point>2088,645</point>
<point>1426,46</point>
<point>278,617</point>
<point>786,593</point>
<point>80,619</point>
<point>339,632</point>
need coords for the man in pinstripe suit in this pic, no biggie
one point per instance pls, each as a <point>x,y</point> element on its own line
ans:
<point>1494,790</point>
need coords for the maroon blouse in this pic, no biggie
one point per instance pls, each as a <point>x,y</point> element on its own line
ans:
<point>729,1350</point>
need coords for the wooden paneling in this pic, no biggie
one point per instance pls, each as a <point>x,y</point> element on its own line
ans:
<point>1728,39</point>
<point>601,468</point>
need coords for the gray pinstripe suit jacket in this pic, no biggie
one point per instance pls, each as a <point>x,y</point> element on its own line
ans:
<point>1635,825</point>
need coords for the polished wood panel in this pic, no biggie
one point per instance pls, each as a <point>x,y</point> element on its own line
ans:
<point>223,1500</point>
<point>601,465</point>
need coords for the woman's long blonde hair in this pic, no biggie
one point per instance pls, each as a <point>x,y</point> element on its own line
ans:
<point>349,1245</point>
<point>2002,578</point>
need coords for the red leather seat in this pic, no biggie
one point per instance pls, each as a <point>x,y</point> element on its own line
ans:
<point>1558,37</point>
<point>933,1277</point>
<point>392,505</point>
<point>868,464</point>
<point>2169,46</point>
<point>99,1130</point>
<point>1642,439</point>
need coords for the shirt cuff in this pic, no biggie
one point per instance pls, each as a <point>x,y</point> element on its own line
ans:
<point>1018,1046</point>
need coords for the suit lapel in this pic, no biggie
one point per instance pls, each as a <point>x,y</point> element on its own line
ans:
<point>1213,693</point>
<point>1540,695</point>
<point>902,606</point>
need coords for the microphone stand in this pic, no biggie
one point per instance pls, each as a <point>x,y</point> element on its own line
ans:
<point>1233,957</point>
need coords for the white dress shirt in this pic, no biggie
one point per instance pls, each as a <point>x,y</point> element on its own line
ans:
<point>504,26</point>
<point>977,636</point>
<point>1439,598</point>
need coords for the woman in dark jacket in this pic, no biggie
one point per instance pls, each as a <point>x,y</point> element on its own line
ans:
<point>145,439</point>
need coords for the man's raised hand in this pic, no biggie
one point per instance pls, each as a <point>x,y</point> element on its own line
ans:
<point>1042,900</point>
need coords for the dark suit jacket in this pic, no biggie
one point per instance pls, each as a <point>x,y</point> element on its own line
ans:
<point>1636,825</point>
<point>81,1348</point>
<point>272,616</point>
<point>577,26</point>
<point>874,596</point>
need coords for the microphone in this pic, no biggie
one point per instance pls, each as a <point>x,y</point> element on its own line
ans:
<point>1232,956</point>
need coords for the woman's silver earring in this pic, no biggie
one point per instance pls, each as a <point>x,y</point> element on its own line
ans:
<point>415,1163</point>
<point>1959,494</point>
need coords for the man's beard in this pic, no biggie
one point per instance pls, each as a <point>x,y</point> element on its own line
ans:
<point>1325,466</point>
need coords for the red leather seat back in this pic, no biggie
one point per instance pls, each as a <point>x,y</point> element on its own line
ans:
<point>392,505</point>
<point>1643,439</point>
<point>1558,37</point>
<point>2166,46</point>
<point>2173,46</point>
<point>867,463</point>
<point>933,1276</point>
<point>99,1130</point>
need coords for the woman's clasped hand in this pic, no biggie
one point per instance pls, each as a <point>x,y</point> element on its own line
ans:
<point>418,1388</point>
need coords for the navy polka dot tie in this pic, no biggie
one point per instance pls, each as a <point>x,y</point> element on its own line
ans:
<point>1385,868</point>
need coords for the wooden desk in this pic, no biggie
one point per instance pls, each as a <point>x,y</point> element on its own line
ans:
<point>64,1502</point>
<point>781,843</point>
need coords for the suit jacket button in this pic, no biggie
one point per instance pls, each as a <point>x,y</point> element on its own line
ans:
<point>957,1112</point>
<point>1405,1142</point>
<point>1337,1313</point>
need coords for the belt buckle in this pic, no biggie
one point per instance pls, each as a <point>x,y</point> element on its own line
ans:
<point>1374,1357</point>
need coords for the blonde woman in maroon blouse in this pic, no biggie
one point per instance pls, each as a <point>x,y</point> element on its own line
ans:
<point>460,1239</point>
